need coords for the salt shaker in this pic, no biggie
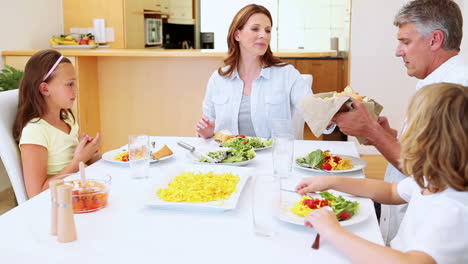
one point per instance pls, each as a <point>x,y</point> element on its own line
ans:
<point>66,231</point>
<point>53,200</point>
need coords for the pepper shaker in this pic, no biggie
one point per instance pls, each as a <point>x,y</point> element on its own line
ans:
<point>66,231</point>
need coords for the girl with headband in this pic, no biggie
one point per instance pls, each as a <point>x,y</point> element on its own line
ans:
<point>45,127</point>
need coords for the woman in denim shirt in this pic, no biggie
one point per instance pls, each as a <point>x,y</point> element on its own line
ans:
<point>253,86</point>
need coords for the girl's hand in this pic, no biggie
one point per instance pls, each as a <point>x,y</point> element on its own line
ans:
<point>324,221</point>
<point>84,135</point>
<point>85,151</point>
<point>313,184</point>
<point>205,127</point>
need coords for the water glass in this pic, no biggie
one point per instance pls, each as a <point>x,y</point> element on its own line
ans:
<point>139,156</point>
<point>281,127</point>
<point>283,154</point>
<point>265,201</point>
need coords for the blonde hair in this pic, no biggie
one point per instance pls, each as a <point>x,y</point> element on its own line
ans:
<point>434,146</point>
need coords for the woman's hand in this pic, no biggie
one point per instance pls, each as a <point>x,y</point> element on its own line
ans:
<point>324,221</point>
<point>205,127</point>
<point>314,184</point>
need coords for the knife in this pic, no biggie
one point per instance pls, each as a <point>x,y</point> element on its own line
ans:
<point>196,153</point>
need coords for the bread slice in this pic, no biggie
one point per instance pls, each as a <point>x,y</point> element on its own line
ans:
<point>223,135</point>
<point>163,152</point>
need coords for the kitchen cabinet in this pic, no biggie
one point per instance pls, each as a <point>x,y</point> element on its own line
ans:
<point>164,6</point>
<point>153,5</point>
<point>126,17</point>
<point>181,12</point>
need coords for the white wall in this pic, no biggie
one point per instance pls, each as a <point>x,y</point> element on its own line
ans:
<point>26,25</point>
<point>298,23</point>
<point>216,16</point>
<point>374,69</point>
<point>311,24</point>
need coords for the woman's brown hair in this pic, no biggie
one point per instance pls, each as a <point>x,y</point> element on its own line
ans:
<point>31,103</point>
<point>434,146</point>
<point>238,23</point>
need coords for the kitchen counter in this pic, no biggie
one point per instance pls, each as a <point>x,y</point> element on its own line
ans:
<point>160,92</point>
<point>104,52</point>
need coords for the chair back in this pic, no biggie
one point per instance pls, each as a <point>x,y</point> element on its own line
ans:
<point>297,118</point>
<point>9,151</point>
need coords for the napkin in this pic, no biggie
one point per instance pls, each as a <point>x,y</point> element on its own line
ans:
<point>319,109</point>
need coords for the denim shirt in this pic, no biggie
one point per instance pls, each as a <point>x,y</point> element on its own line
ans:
<point>274,94</point>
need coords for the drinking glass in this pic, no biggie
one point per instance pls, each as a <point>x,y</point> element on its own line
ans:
<point>281,127</point>
<point>283,151</point>
<point>139,156</point>
<point>265,201</point>
<point>282,131</point>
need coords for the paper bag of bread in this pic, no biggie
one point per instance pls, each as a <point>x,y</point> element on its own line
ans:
<point>319,109</point>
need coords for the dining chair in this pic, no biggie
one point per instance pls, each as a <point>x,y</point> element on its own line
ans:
<point>9,152</point>
<point>298,120</point>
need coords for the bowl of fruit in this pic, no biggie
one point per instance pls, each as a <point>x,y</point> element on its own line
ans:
<point>73,41</point>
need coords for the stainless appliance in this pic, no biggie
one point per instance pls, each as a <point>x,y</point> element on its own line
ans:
<point>153,31</point>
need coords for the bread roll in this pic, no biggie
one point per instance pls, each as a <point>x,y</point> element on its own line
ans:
<point>348,91</point>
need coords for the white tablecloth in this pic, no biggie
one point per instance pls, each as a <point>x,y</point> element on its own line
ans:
<point>127,231</point>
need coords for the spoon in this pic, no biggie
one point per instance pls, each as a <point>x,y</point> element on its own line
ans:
<point>82,175</point>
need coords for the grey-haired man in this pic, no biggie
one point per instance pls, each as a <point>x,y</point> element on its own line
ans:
<point>429,38</point>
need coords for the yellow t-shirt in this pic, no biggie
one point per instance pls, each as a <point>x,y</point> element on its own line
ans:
<point>60,145</point>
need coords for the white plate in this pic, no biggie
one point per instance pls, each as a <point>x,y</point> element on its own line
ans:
<point>194,159</point>
<point>267,147</point>
<point>74,46</point>
<point>224,205</point>
<point>109,156</point>
<point>289,199</point>
<point>358,164</point>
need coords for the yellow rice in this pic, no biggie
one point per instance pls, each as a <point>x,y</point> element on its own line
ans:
<point>199,187</point>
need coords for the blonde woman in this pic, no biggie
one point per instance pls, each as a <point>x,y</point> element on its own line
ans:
<point>434,152</point>
<point>253,86</point>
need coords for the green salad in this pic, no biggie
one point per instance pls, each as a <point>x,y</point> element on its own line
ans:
<point>241,141</point>
<point>314,159</point>
<point>234,154</point>
<point>343,208</point>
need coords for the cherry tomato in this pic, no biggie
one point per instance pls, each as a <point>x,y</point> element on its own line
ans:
<point>336,159</point>
<point>345,215</point>
<point>326,166</point>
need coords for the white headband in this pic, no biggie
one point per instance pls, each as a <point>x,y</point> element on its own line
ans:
<point>52,69</point>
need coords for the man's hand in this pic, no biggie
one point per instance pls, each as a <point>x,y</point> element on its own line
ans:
<point>383,122</point>
<point>356,122</point>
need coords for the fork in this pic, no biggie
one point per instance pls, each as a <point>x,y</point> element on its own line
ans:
<point>197,153</point>
<point>292,191</point>
<point>316,244</point>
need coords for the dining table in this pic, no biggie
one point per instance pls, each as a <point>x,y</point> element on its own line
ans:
<point>130,230</point>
